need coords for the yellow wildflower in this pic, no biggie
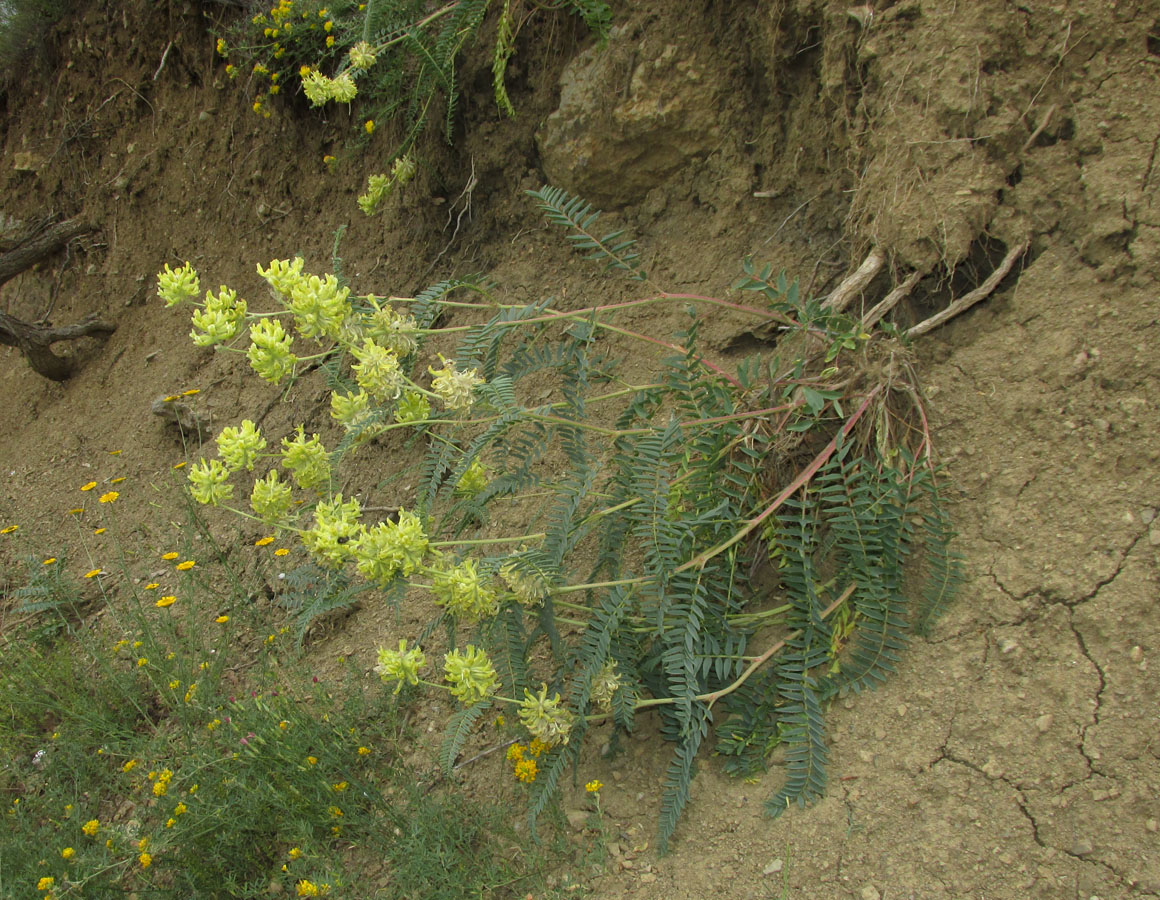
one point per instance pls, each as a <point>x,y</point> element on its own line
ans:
<point>90,827</point>
<point>93,573</point>
<point>146,860</point>
<point>89,486</point>
<point>262,542</point>
<point>221,620</point>
<point>171,555</point>
<point>165,601</point>
<point>186,566</point>
<point>594,786</point>
<point>108,497</point>
<point>68,853</point>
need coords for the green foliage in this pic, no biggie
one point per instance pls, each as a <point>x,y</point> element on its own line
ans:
<point>158,751</point>
<point>402,56</point>
<point>667,528</point>
<point>23,25</point>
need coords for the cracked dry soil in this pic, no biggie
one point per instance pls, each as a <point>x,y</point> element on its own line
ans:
<point>1017,751</point>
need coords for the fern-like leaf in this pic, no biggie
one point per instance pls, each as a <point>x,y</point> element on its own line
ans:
<point>459,729</point>
<point>566,211</point>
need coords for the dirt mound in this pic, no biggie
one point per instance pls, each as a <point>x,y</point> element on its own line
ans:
<point>1016,753</point>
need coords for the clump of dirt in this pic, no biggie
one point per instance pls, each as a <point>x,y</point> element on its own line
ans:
<point>1015,753</point>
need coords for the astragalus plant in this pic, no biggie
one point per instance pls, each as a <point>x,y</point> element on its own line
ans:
<point>729,549</point>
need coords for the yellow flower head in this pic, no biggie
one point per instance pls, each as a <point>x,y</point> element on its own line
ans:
<point>593,787</point>
<point>171,555</point>
<point>109,497</point>
<point>89,486</point>
<point>68,853</point>
<point>90,827</point>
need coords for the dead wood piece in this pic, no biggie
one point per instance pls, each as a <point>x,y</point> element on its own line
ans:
<point>891,300</point>
<point>35,249</point>
<point>966,301</point>
<point>854,283</point>
<point>35,342</point>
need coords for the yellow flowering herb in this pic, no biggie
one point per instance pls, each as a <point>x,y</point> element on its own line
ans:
<point>263,541</point>
<point>593,787</point>
<point>454,388</point>
<point>185,566</point>
<point>168,600</point>
<point>178,286</point>
<point>526,770</point>
<point>271,500</point>
<point>391,547</point>
<point>464,592</point>
<point>9,529</point>
<point>90,827</point>
<point>220,319</point>
<point>146,860</point>
<point>108,497</point>
<point>547,719</point>
<point>331,540</point>
<point>221,620</point>
<point>471,675</point>
<point>239,447</point>
<point>400,665</point>
<point>45,884</point>
<point>208,482</point>
<point>68,853</point>
<point>93,573</point>
<point>89,486</point>
<point>269,352</point>
<point>307,460</point>
<point>49,561</point>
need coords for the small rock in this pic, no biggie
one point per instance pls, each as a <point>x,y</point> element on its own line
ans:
<point>869,892</point>
<point>773,868</point>
<point>1136,653</point>
<point>992,769</point>
<point>1154,535</point>
<point>1008,645</point>
<point>901,709</point>
<point>577,818</point>
<point>1152,825</point>
<point>879,734</point>
<point>1043,723</point>
<point>1147,515</point>
<point>648,878</point>
<point>1082,847</point>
